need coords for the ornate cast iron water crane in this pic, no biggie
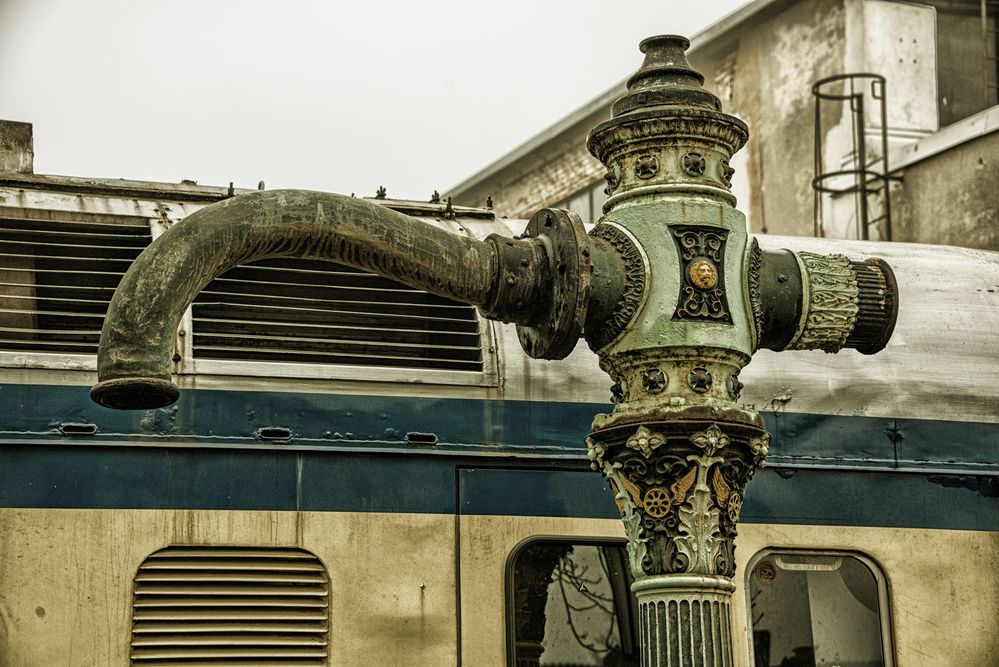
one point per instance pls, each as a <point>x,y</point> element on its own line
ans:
<point>668,289</point>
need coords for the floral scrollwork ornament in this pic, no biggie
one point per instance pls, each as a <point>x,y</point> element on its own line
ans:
<point>711,440</point>
<point>645,441</point>
<point>734,507</point>
<point>625,494</point>
<point>679,492</point>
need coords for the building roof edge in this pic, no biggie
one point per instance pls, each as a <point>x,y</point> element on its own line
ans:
<point>605,99</point>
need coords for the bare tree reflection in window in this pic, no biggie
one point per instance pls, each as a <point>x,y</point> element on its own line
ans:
<point>588,618</point>
<point>578,585</point>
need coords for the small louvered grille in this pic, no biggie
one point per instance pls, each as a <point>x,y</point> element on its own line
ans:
<point>319,312</point>
<point>230,606</point>
<point>57,278</point>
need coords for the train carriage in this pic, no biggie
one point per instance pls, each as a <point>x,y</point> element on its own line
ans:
<point>361,473</point>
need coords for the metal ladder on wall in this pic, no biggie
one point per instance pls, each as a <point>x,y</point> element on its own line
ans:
<point>866,177</point>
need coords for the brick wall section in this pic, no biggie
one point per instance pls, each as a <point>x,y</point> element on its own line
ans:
<point>553,181</point>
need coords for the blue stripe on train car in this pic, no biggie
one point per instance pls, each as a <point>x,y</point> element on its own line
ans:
<point>56,476</point>
<point>35,412</point>
<point>820,497</point>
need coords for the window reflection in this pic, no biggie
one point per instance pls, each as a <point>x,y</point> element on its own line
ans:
<point>572,606</point>
<point>812,610</point>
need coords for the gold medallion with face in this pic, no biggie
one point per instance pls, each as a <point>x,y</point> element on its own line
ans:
<point>703,273</point>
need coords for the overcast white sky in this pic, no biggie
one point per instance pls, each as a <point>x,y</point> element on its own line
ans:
<point>333,96</point>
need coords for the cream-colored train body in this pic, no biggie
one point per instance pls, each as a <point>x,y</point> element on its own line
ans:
<point>397,500</point>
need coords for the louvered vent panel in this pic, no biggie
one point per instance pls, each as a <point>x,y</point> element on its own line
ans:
<point>238,606</point>
<point>57,278</point>
<point>324,313</point>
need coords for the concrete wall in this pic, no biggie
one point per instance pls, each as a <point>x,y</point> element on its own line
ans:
<point>763,70</point>
<point>951,198</point>
<point>763,73</point>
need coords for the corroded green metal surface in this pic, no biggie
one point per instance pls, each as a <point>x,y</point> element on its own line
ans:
<point>134,361</point>
<point>678,448</point>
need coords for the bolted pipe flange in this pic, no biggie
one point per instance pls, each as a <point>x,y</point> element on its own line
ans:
<point>565,280</point>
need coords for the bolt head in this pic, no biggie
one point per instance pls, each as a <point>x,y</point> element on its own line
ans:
<point>693,164</point>
<point>646,166</point>
<point>654,380</point>
<point>700,380</point>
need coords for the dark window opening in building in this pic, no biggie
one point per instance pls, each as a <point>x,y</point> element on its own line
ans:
<point>817,610</point>
<point>967,53</point>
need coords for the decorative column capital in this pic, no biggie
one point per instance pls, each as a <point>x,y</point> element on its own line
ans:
<point>679,489</point>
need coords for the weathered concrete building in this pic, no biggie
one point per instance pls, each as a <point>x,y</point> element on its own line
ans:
<point>911,102</point>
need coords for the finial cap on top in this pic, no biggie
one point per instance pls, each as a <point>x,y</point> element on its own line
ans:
<point>665,78</point>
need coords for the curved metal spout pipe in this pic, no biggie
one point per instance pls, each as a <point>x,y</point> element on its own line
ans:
<point>540,281</point>
<point>134,361</point>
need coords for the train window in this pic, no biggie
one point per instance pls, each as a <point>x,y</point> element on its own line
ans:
<point>570,604</point>
<point>817,609</point>
<point>229,605</point>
